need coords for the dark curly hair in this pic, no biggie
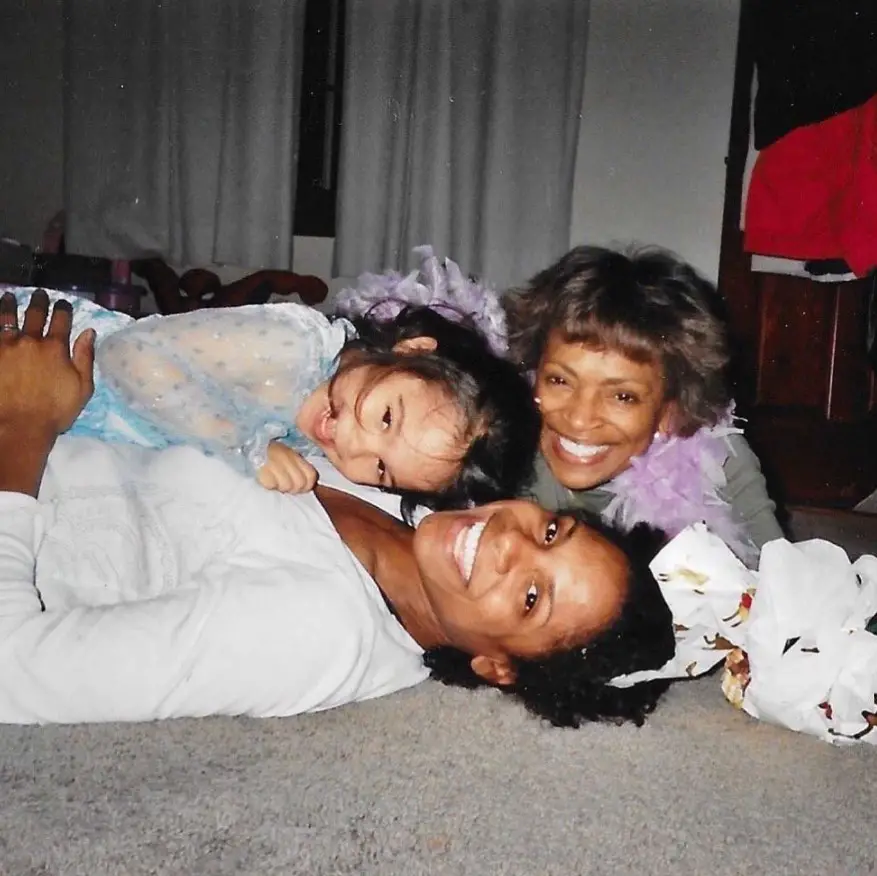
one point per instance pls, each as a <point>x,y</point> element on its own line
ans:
<point>571,687</point>
<point>647,304</point>
<point>496,400</point>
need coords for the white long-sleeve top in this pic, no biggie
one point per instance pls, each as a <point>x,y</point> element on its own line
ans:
<point>148,584</point>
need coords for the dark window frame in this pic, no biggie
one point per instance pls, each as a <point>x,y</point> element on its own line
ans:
<point>319,136</point>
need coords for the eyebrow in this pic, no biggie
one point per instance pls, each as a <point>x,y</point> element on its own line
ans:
<point>559,638</point>
<point>397,428</point>
<point>560,366</point>
<point>631,383</point>
<point>552,581</point>
<point>613,381</point>
<point>573,527</point>
<point>551,595</point>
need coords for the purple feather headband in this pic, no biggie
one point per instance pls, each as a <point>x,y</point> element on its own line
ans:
<point>439,285</point>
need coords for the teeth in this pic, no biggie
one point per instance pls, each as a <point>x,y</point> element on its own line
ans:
<point>467,547</point>
<point>582,451</point>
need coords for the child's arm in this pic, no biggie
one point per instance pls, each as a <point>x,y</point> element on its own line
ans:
<point>227,380</point>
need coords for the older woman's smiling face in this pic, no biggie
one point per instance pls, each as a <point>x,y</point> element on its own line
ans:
<point>512,579</point>
<point>599,409</point>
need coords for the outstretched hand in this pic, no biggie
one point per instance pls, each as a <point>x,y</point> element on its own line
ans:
<point>41,383</point>
<point>43,388</point>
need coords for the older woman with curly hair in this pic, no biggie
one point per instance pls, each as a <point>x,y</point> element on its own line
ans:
<point>629,356</point>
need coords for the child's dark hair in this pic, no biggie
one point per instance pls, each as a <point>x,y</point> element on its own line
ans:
<point>647,304</point>
<point>494,396</point>
<point>572,687</point>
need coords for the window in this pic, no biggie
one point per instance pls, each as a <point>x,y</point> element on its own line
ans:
<point>320,121</point>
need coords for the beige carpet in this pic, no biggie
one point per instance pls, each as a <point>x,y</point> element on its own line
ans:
<point>436,781</point>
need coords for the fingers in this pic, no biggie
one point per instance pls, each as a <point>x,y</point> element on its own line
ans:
<point>294,479</point>
<point>83,359</point>
<point>265,476</point>
<point>307,477</point>
<point>61,321</point>
<point>287,472</point>
<point>8,316</point>
<point>35,317</point>
<point>36,313</point>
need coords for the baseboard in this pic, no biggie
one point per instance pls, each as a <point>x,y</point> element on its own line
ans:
<point>854,531</point>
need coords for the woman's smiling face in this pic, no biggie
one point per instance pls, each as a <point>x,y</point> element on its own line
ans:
<point>599,409</point>
<point>512,579</point>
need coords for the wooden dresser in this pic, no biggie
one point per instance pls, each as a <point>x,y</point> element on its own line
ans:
<point>803,376</point>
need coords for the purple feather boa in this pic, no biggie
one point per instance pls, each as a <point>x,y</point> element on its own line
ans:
<point>439,285</point>
<point>678,481</point>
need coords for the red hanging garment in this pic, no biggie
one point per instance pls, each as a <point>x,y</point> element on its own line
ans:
<point>813,192</point>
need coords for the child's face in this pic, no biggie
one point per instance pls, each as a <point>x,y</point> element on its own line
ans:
<point>387,428</point>
<point>599,409</point>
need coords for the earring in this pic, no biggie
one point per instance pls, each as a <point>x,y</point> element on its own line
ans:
<point>537,400</point>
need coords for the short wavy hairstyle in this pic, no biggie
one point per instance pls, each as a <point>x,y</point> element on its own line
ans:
<point>646,304</point>
<point>571,687</point>
<point>502,420</point>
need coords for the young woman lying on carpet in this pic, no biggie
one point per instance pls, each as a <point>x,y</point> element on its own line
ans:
<point>416,402</point>
<point>138,584</point>
<point>629,354</point>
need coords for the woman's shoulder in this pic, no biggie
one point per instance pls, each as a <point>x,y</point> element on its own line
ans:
<point>741,456</point>
<point>746,490</point>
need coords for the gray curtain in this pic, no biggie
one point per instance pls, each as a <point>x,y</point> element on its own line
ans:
<point>181,129</point>
<point>460,126</point>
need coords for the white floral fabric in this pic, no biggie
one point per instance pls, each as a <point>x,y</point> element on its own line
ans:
<point>797,636</point>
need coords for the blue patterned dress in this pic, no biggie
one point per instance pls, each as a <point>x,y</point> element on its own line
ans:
<point>226,380</point>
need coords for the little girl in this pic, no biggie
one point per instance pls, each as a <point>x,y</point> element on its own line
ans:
<point>417,404</point>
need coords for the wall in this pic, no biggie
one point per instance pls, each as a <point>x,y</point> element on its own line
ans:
<point>655,124</point>
<point>650,164</point>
